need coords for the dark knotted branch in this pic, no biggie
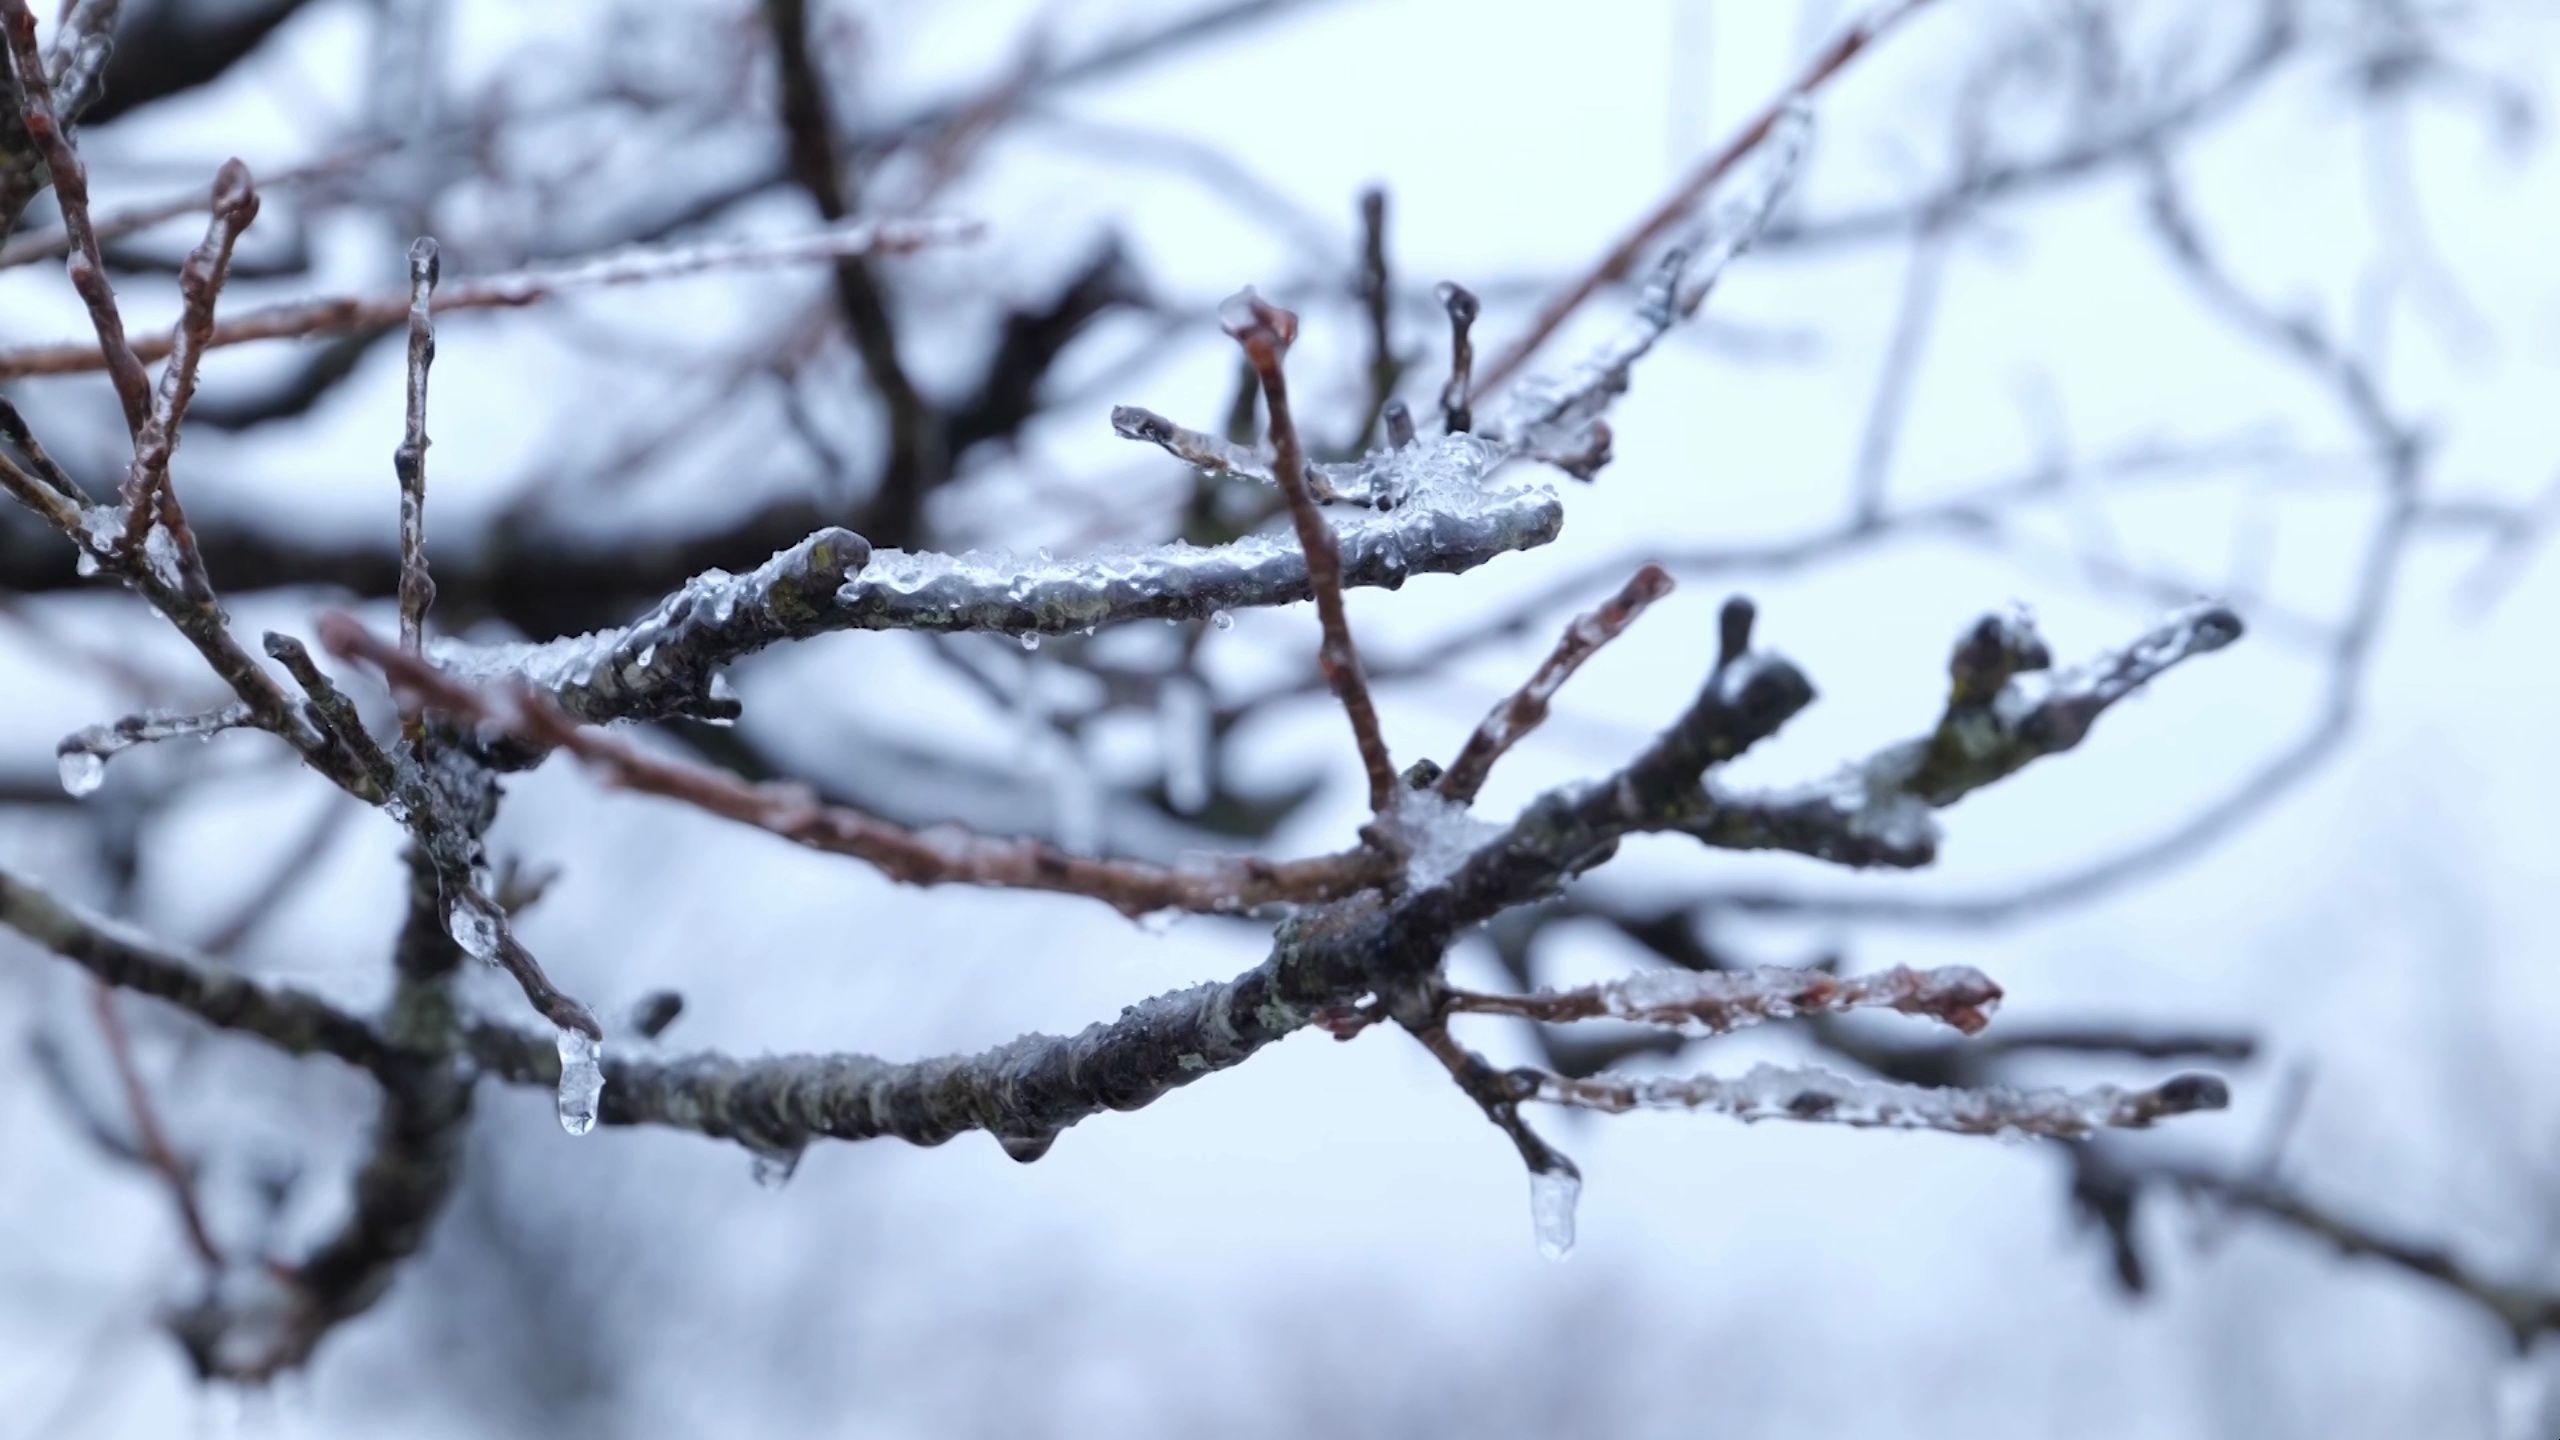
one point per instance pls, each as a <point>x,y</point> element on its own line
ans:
<point>149,496</point>
<point>937,855</point>
<point>1622,258</point>
<point>1525,709</point>
<point>293,1021</point>
<point>634,265</point>
<point>1265,332</point>
<point>409,462</point>
<point>412,1166</point>
<point>47,132</point>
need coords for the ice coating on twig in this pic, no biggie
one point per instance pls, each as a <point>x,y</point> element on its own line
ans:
<point>1787,1092</point>
<point>1712,1002</point>
<point>1557,417</point>
<point>1448,521</point>
<point>82,755</point>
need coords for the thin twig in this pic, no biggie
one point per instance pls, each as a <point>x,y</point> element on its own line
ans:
<point>1265,330</point>
<point>637,265</point>
<point>148,494</point>
<point>1526,708</point>
<point>1457,396</point>
<point>88,271</point>
<point>409,462</point>
<point>1622,258</point>
<point>939,855</point>
<point>150,1138</point>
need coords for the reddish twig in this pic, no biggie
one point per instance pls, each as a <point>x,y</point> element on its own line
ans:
<point>1622,258</point>
<point>87,270</point>
<point>148,495</point>
<point>1265,330</point>
<point>940,855</point>
<point>1524,711</point>
<point>149,1138</point>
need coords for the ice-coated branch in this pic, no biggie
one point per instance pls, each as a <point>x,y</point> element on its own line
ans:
<point>83,754</point>
<point>639,265</point>
<point>88,271</point>
<point>937,855</point>
<point>1557,418</point>
<point>1712,1002</point>
<point>1780,1092</point>
<point>1449,521</point>
<point>1622,258</point>
<point>148,495</point>
<point>290,1020</point>
<point>409,462</point>
<point>2006,708</point>
<point>1526,708</point>
<point>1265,332</point>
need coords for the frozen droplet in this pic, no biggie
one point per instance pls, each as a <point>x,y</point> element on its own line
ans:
<point>86,566</point>
<point>581,1079</point>
<point>472,927</point>
<point>1157,922</point>
<point>1030,639</point>
<point>82,772</point>
<point>1222,619</point>
<point>1023,1149</point>
<point>648,655</point>
<point>1553,1193</point>
<point>774,1165</point>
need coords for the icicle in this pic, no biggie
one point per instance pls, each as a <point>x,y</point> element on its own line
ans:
<point>1553,1194</point>
<point>581,1079</point>
<point>1023,1149</point>
<point>82,772</point>
<point>472,927</point>
<point>774,1165</point>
